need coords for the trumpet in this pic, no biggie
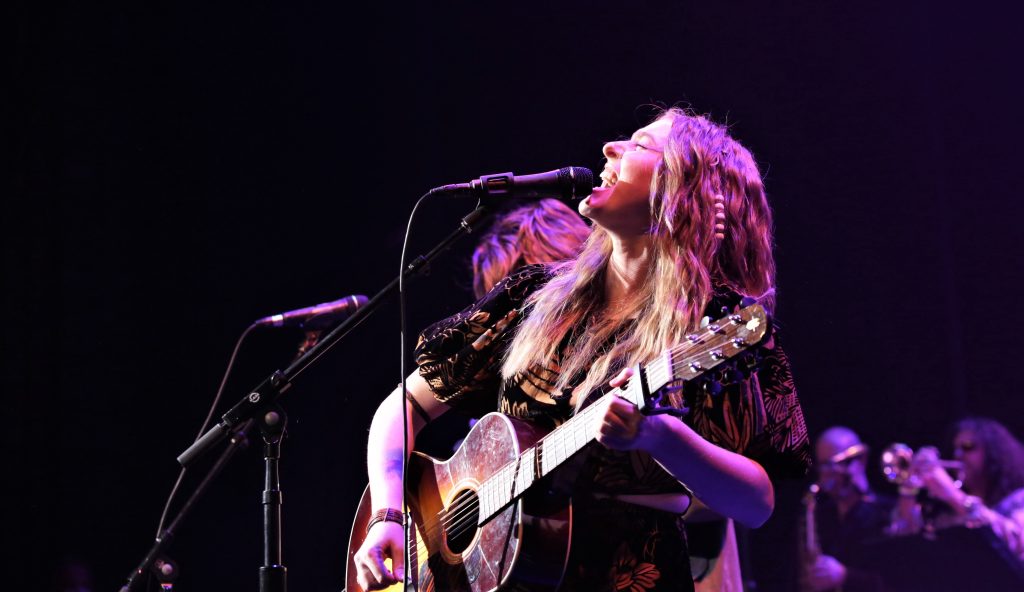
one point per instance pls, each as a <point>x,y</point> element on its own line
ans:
<point>898,464</point>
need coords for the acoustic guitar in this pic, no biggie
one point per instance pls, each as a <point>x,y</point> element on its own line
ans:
<point>490,517</point>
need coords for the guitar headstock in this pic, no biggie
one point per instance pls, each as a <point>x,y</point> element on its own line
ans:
<point>716,343</point>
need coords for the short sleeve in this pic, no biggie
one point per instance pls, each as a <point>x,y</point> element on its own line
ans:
<point>460,357</point>
<point>759,417</point>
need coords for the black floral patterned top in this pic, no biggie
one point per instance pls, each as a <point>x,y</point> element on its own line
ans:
<point>758,416</point>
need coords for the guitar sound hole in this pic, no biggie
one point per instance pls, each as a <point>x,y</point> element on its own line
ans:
<point>461,520</point>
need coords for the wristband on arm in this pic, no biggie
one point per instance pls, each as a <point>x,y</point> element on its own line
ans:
<point>385,515</point>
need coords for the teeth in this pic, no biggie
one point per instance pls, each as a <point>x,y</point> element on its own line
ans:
<point>609,178</point>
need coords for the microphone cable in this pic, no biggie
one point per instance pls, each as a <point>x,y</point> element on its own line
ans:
<point>206,423</point>
<point>406,515</point>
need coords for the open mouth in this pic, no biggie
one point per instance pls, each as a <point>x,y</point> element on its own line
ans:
<point>609,178</point>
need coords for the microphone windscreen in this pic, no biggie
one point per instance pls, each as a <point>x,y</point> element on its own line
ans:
<point>575,182</point>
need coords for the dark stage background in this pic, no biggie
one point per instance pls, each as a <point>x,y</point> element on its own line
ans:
<point>178,170</point>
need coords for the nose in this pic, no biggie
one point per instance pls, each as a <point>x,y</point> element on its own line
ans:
<point>614,149</point>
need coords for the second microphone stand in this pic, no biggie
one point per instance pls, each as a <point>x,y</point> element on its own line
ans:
<point>260,405</point>
<point>273,574</point>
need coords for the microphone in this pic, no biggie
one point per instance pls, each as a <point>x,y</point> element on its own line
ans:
<point>567,184</point>
<point>315,317</point>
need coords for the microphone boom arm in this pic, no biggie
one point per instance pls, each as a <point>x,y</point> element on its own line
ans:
<point>271,389</point>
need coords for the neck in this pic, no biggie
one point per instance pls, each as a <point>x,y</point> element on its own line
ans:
<point>846,502</point>
<point>627,268</point>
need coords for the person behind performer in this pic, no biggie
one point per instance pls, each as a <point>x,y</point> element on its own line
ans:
<point>682,230</point>
<point>545,231</point>
<point>992,493</point>
<point>848,514</point>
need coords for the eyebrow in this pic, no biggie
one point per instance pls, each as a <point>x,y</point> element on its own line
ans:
<point>637,137</point>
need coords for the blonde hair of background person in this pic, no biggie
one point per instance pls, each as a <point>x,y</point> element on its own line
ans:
<point>543,232</point>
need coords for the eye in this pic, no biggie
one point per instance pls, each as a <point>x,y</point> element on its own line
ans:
<point>640,146</point>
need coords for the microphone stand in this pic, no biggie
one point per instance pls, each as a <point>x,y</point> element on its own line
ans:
<point>273,574</point>
<point>261,401</point>
<point>273,424</point>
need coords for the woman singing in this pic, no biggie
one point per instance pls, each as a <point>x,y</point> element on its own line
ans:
<point>681,232</point>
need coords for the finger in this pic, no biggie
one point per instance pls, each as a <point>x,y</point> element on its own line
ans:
<point>602,411</point>
<point>613,425</point>
<point>375,565</point>
<point>623,406</point>
<point>364,575</point>
<point>616,438</point>
<point>398,567</point>
<point>614,442</point>
<point>621,378</point>
<point>386,577</point>
<point>627,413</point>
<point>617,408</point>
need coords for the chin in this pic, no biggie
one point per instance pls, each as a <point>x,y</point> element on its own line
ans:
<point>584,207</point>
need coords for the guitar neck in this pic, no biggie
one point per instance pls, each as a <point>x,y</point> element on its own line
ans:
<point>553,450</point>
<point>716,343</point>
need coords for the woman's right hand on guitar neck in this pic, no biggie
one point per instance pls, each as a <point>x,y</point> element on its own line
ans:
<point>384,541</point>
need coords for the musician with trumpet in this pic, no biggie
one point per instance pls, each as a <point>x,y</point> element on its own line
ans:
<point>991,494</point>
<point>842,513</point>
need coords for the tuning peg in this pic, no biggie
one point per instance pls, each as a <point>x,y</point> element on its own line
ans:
<point>727,375</point>
<point>752,360</point>
<point>711,387</point>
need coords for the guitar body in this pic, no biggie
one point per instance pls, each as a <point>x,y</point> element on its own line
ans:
<point>525,546</point>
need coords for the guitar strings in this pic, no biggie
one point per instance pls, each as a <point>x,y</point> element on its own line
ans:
<point>458,518</point>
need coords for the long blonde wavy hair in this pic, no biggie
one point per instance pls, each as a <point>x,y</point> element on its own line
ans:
<point>700,162</point>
